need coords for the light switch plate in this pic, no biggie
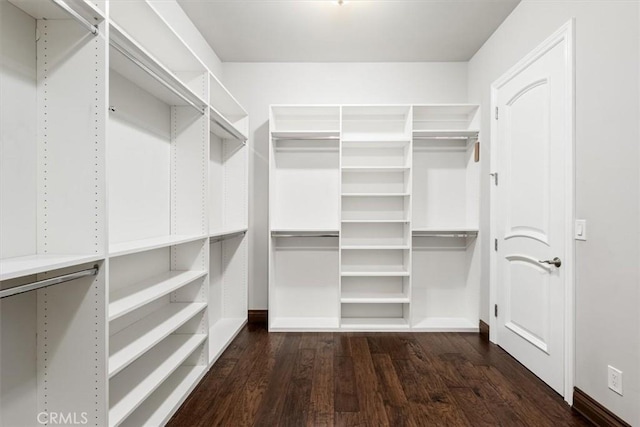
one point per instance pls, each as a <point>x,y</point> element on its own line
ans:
<point>581,229</point>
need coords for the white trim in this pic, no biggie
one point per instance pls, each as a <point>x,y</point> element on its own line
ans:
<point>565,34</point>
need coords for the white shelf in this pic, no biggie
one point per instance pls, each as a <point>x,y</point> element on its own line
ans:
<point>223,128</point>
<point>374,323</point>
<point>369,271</point>
<point>11,268</point>
<point>282,232</point>
<point>225,233</point>
<point>446,134</point>
<point>375,169</point>
<point>158,408</point>
<point>222,333</point>
<point>375,143</point>
<point>132,342</point>
<point>374,298</point>
<point>446,324</point>
<point>445,231</point>
<point>375,247</point>
<point>132,297</point>
<point>126,248</point>
<point>129,390</point>
<point>375,221</point>
<point>293,324</point>
<point>375,194</point>
<point>301,135</point>
<point>125,50</point>
<point>49,10</point>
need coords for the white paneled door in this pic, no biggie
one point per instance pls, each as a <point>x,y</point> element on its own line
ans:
<point>533,136</point>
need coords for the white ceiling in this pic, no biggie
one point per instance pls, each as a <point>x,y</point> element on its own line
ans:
<point>358,31</point>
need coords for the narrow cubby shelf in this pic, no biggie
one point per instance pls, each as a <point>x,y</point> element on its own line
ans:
<point>303,135</point>
<point>12,268</point>
<point>129,298</point>
<point>132,342</point>
<point>131,387</point>
<point>375,247</point>
<point>374,298</point>
<point>157,409</point>
<point>127,248</point>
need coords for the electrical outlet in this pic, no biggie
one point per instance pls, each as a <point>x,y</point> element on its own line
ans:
<point>615,380</point>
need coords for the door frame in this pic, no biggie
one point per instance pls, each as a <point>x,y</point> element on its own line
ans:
<point>566,34</point>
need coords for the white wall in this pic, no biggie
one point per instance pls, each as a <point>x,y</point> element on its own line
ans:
<point>257,85</point>
<point>607,178</point>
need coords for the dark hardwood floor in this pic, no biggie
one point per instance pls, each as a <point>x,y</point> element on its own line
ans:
<point>370,379</point>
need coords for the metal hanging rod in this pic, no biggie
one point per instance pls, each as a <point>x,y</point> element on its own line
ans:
<point>234,133</point>
<point>48,282</point>
<point>226,236</point>
<point>153,74</point>
<point>93,29</point>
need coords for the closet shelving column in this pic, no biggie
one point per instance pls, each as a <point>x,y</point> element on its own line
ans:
<point>158,241</point>
<point>304,221</point>
<point>52,210</point>
<point>446,267</point>
<point>227,217</point>
<point>375,237</point>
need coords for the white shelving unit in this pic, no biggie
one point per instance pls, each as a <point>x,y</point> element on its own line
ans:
<point>52,210</point>
<point>401,183</point>
<point>159,204</point>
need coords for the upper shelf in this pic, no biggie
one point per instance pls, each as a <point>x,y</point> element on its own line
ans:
<point>445,232</point>
<point>223,128</point>
<point>302,135</point>
<point>55,9</point>
<point>305,119</point>
<point>446,121</point>
<point>135,63</point>
<point>445,134</point>
<point>11,268</point>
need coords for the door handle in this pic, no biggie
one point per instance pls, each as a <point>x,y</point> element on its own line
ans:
<point>556,261</point>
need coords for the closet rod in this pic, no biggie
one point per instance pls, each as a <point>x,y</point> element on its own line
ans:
<point>233,133</point>
<point>153,74</point>
<point>64,6</point>
<point>48,282</point>
<point>226,236</point>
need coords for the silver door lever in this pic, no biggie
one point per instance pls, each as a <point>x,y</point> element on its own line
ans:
<point>556,261</point>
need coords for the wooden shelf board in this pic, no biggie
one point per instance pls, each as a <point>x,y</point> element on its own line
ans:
<point>374,323</point>
<point>292,324</point>
<point>126,248</point>
<point>129,298</point>
<point>11,268</point>
<point>446,324</point>
<point>158,408</point>
<point>129,389</point>
<point>126,346</point>
<point>222,333</point>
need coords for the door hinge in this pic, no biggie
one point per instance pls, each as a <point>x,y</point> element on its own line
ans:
<point>495,245</point>
<point>496,113</point>
<point>495,310</point>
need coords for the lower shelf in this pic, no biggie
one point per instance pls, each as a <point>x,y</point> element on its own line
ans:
<point>131,387</point>
<point>162,404</point>
<point>293,324</point>
<point>375,323</point>
<point>445,324</point>
<point>222,333</point>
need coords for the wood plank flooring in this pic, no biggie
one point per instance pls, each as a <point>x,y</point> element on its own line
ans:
<point>370,379</point>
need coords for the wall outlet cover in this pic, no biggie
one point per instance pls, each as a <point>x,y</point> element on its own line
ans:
<point>615,379</point>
